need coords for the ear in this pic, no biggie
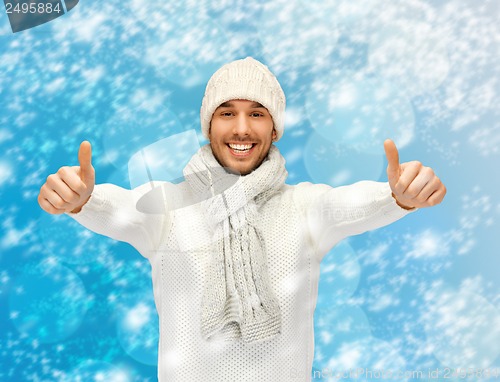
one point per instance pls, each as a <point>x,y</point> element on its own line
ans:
<point>275,134</point>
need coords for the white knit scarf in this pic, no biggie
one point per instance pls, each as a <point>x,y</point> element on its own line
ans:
<point>238,301</point>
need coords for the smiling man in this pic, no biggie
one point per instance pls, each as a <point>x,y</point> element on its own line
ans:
<point>235,265</point>
<point>240,134</point>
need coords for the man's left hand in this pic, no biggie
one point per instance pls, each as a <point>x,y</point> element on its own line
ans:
<point>412,184</point>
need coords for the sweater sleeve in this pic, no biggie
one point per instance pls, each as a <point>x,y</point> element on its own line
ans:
<point>112,211</point>
<point>334,213</point>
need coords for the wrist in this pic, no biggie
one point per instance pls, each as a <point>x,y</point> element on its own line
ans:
<point>402,205</point>
<point>79,208</point>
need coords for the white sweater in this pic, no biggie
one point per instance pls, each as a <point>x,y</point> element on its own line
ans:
<point>300,225</point>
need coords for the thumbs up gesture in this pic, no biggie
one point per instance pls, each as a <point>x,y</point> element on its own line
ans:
<point>71,186</point>
<point>412,184</point>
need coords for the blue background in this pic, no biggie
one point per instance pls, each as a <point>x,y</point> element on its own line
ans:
<point>421,294</point>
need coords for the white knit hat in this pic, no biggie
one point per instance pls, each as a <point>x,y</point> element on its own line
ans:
<point>246,79</point>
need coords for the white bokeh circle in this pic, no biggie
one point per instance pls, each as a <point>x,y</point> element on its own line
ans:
<point>339,277</point>
<point>137,329</point>
<point>48,302</point>
<point>163,160</point>
<point>335,165</point>
<point>359,112</point>
<point>335,326</point>
<point>136,126</point>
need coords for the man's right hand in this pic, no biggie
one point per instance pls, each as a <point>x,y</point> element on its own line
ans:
<point>71,186</point>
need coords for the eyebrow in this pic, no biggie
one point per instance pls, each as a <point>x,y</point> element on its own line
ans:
<point>253,106</point>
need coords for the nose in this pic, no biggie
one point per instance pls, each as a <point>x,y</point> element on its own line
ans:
<point>242,125</point>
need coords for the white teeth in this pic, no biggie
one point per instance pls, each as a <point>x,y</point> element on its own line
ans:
<point>240,147</point>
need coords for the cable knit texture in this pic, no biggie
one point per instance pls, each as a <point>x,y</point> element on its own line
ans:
<point>238,298</point>
<point>299,226</point>
<point>244,79</point>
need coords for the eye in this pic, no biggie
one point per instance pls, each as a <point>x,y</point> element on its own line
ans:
<point>225,113</point>
<point>258,114</point>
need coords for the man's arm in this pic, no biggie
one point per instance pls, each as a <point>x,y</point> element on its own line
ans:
<point>112,211</point>
<point>336,213</point>
<point>105,209</point>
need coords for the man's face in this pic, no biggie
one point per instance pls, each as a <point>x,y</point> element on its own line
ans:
<point>241,133</point>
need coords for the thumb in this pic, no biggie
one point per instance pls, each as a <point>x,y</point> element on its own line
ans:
<point>85,159</point>
<point>391,152</point>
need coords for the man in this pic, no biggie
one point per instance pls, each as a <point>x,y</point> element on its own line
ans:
<point>235,256</point>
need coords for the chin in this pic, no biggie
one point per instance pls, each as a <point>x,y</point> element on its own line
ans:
<point>239,171</point>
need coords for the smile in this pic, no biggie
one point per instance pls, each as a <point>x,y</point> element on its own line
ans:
<point>241,150</point>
